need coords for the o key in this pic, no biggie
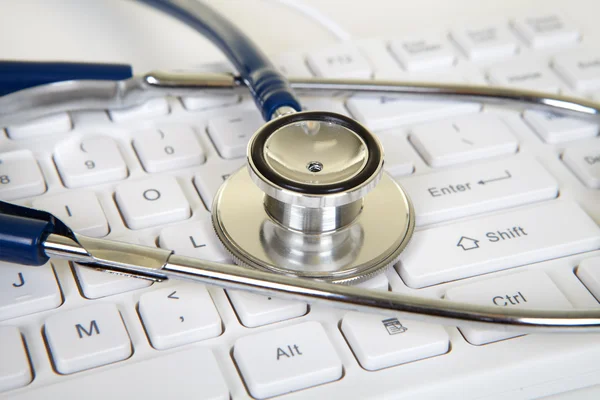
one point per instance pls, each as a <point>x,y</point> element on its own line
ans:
<point>152,202</point>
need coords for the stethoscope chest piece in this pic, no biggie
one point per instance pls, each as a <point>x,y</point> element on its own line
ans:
<point>314,202</point>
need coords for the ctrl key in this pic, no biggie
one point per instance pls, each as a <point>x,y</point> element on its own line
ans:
<point>14,363</point>
<point>286,359</point>
<point>86,337</point>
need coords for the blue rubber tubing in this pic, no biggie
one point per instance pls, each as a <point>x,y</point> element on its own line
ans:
<point>267,85</point>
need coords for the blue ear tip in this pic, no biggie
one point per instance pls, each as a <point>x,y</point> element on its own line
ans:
<point>19,75</point>
<point>22,239</point>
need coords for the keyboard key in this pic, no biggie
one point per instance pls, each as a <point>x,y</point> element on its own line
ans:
<point>485,42</point>
<point>287,359</point>
<point>179,315</point>
<point>544,31</point>
<point>231,134</point>
<point>463,139</point>
<point>96,284</point>
<point>324,104</point>
<point>209,182</point>
<point>385,113</point>
<point>26,290</point>
<point>193,372</point>
<point>380,342</point>
<point>87,337</point>
<point>80,210</point>
<point>152,202</point>
<point>378,282</point>
<point>397,160</point>
<point>580,68</point>
<point>527,290</point>
<point>589,274</point>
<point>497,242</point>
<point>151,108</point>
<point>341,61</point>
<point>198,103</point>
<point>20,175</point>
<point>255,310</point>
<point>554,128</point>
<point>292,65</point>
<point>168,148</point>
<point>15,371</point>
<point>584,161</point>
<point>418,53</point>
<point>194,239</point>
<point>456,193</point>
<point>530,75</point>
<point>56,123</point>
<point>383,63</point>
<point>92,161</point>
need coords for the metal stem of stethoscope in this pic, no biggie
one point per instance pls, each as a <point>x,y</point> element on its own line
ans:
<point>79,95</point>
<point>160,264</point>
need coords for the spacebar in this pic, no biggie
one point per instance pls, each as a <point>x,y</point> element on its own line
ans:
<point>192,373</point>
<point>501,241</point>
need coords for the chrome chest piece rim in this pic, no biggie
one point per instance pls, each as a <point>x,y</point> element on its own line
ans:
<point>314,202</point>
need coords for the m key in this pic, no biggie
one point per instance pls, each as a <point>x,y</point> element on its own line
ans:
<point>86,338</point>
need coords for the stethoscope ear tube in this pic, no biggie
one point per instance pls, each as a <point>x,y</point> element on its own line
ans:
<point>23,232</point>
<point>269,88</point>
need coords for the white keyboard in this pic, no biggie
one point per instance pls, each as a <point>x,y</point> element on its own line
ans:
<point>507,207</point>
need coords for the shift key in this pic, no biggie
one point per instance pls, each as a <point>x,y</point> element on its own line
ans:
<point>510,239</point>
<point>490,186</point>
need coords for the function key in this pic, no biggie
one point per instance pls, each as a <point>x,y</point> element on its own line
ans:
<point>426,52</point>
<point>15,371</point>
<point>20,175</point>
<point>546,30</point>
<point>56,123</point>
<point>342,61</point>
<point>485,42</point>
<point>287,359</point>
<point>92,161</point>
<point>168,148</point>
<point>87,337</point>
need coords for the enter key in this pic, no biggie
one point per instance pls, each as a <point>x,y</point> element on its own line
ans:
<point>461,192</point>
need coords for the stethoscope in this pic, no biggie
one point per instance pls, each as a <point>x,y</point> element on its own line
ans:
<point>313,211</point>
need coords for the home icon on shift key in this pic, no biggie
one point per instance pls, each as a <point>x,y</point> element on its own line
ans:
<point>467,243</point>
